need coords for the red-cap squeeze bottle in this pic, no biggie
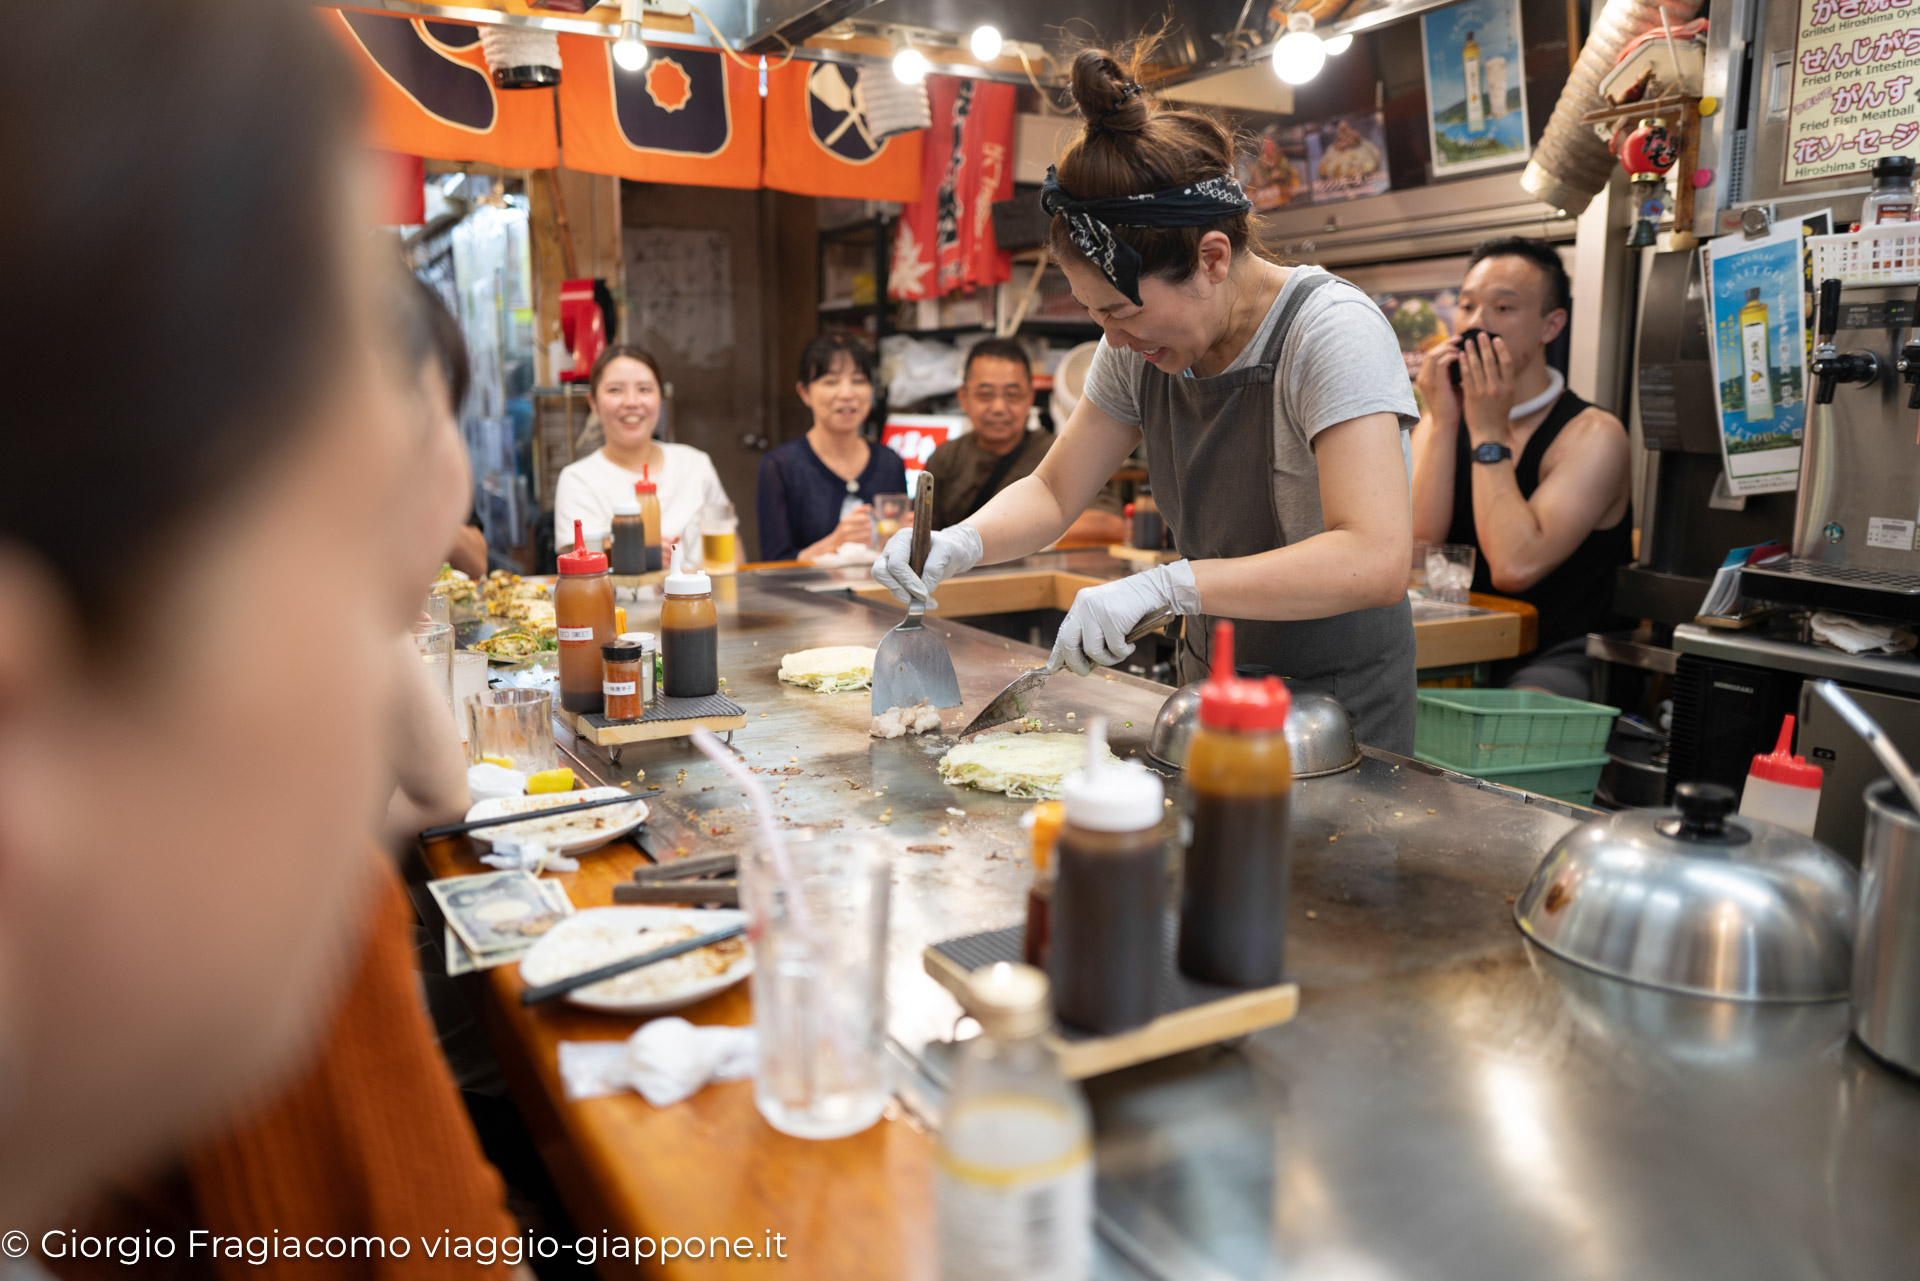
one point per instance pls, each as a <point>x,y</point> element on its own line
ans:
<point>1783,788</point>
<point>583,620</point>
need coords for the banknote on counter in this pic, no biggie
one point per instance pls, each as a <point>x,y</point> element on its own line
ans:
<point>495,917</point>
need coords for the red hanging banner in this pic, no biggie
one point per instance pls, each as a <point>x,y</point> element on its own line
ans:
<point>818,142</point>
<point>429,93</point>
<point>690,116</point>
<point>945,240</point>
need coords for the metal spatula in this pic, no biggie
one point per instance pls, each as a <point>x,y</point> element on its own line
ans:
<point>1010,703</point>
<point>912,662</point>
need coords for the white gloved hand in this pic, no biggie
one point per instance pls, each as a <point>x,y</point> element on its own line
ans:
<point>949,552</point>
<point>1095,629</point>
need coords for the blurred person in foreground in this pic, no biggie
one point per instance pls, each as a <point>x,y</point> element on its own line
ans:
<point>996,395</point>
<point>155,979</point>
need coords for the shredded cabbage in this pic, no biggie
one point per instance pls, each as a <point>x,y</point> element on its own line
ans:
<point>835,669</point>
<point>1023,765</point>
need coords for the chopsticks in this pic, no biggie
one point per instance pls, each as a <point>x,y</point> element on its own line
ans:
<point>458,829</point>
<point>560,987</point>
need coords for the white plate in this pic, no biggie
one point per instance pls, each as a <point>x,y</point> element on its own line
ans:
<point>602,935</point>
<point>573,833</point>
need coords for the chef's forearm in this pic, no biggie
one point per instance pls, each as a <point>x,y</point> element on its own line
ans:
<point>1331,573</point>
<point>1020,520</point>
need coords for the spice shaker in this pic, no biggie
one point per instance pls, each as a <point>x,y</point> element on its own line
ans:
<point>1235,828</point>
<point>1109,893</point>
<point>583,622</point>
<point>620,681</point>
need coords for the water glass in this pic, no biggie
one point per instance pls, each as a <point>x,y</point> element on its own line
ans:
<point>469,677</point>
<point>718,527</point>
<point>1417,574</point>
<point>891,514</point>
<point>434,642</point>
<point>439,607</point>
<point>514,725</point>
<point>819,942</point>
<point>1450,572</point>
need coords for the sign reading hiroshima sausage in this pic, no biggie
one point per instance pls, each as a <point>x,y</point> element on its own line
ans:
<point>1855,86</point>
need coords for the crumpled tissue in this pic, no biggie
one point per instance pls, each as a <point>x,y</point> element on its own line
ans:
<point>1858,636</point>
<point>528,856</point>
<point>667,1060</point>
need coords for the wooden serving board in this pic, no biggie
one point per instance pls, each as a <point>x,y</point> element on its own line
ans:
<point>1143,555</point>
<point>667,718</point>
<point>1196,1014</point>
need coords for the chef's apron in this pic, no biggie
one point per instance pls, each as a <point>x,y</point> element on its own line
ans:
<point>1210,457</point>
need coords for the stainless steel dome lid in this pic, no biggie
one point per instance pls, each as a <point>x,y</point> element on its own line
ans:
<point>1319,732</point>
<point>1695,900</point>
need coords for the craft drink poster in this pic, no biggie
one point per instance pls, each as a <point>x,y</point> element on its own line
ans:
<point>1759,357</point>
<point>1476,93</point>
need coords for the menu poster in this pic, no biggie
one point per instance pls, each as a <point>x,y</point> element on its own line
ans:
<point>1756,289</point>
<point>1347,157</point>
<point>1855,86</point>
<point>1274,169</point>
<point>1422,319</point>
<point>1476,94</point>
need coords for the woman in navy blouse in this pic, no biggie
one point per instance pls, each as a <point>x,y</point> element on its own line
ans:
<point>817,492</point>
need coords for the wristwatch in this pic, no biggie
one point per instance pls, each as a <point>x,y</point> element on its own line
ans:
<point>1491,453</point>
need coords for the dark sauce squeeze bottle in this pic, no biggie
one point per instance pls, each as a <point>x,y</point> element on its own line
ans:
<point>583,621</point>
<point>628,548</point>
<point>689,633</point>
<point>1109,894</point>
<point>1235,828</point>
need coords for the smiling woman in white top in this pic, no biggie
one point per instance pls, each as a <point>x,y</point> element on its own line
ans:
<point>626,390</point>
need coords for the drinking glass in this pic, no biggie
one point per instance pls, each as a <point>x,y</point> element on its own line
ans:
<point>439,606</point>
<point>434,641</point>
<point>469,677</point>
<point>1417,574</point>
<point>514,725</point>
<point>1450,572</point>
<point>819,942</point>
<point>891,514</point>
<point>717,531</point>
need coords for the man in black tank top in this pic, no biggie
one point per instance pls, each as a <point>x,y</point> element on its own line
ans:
<point>1512,462</point>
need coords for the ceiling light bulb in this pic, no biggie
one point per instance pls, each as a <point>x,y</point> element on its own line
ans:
<point>1298,57</point>
<point>1337,45</point>
<point>985,43</point>
<point>630,51</point>
<point>910,66</point>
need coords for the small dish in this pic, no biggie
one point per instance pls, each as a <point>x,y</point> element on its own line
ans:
<point>574,833</point>
<point>601,935</point>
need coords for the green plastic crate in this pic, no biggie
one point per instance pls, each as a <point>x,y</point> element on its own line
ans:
<point>1569,781</point>
<point>1475,730</point>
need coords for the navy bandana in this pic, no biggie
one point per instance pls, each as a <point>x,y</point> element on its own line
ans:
<point>1090,223</point>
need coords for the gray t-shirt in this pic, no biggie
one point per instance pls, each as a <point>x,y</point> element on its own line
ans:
<point>1339,360</point>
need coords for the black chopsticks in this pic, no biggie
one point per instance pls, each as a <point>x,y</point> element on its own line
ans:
<point>560,987</point>
<point>457,829</point>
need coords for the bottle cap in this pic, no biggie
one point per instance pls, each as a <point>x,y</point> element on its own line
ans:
<point>646,484</point>
<point>1010,1001</point>
<point>1753,293</point>
<point>645,640</point>
<point>1782,766</point>
<point>1894,167</point>
<point>685,582</point>
<point>1043,823</point>
<point>1227,701</point>
<point>1112,796</point>
<point>582,562</point>
<point>628,504</point>
<point>620,651</point>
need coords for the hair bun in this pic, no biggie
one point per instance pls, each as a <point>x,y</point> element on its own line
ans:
<point>1108,97</point>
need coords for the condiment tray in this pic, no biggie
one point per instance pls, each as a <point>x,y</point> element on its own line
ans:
<point>666,718</point>
<point>1193,1014</point>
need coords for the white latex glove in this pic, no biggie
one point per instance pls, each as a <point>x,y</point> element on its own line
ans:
<point>949,552</point>
<point>1095,629</point>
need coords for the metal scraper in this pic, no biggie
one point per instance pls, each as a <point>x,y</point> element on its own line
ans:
<point>912,663</point>
<point>1010,703</point>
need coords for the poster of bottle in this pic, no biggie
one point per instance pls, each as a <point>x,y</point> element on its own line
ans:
<point>1757,289</point>
<point>1476,92</point>
<point>1347,157</point>
<point>1851,97</point>
<point>1274,168</point>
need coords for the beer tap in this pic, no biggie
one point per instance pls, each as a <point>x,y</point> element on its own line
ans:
<point>1909,363</point>
<point>1831,367</point>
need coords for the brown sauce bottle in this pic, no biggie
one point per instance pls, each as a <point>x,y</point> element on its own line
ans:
<point>583,619</point>
<point>647,491</point>
<point>689,634</point>
<point>1236,829</point>
<point>1108,915</point>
